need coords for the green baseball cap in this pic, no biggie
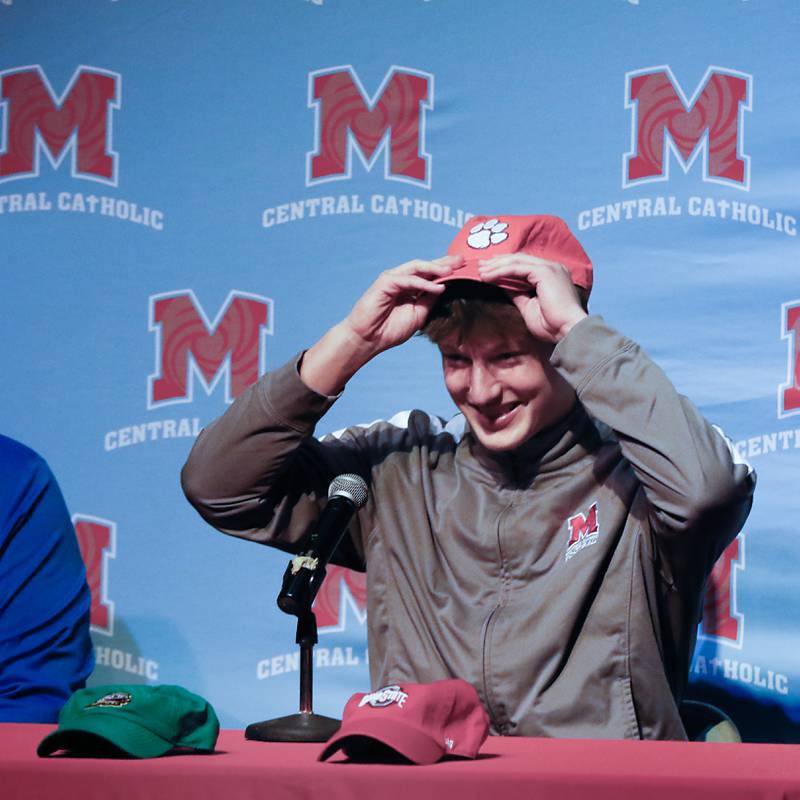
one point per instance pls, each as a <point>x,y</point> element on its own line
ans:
<point>142,721</point>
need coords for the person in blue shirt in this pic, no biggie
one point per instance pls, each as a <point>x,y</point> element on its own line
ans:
<point>45,649</point>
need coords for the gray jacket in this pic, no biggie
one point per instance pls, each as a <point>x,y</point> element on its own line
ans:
<point>563,580</point>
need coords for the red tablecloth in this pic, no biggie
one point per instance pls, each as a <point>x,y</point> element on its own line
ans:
<point>508,768</point>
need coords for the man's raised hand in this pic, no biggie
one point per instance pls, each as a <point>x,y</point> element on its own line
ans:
<point>398,303</point>
<point>552,306</point>
<point>387,314</point>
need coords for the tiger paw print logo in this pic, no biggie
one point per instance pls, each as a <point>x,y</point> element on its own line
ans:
<point>485,234</point>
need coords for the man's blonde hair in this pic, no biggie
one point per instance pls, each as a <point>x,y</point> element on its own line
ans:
<point>465,304</point>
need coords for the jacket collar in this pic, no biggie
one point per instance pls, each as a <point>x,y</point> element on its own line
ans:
<point>552,448</point>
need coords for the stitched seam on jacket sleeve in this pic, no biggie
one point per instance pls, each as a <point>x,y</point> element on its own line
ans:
<point>602,363</point>
<point>269,410</point>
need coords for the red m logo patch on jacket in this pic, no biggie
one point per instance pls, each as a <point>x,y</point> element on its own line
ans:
<point>583,531</point>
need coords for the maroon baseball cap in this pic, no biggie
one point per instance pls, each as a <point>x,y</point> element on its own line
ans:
<point>420,721</point>
<point>539,235</point>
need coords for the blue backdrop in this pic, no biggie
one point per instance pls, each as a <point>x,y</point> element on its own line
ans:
<point>192,192</point>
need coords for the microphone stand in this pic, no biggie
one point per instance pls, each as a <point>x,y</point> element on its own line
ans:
<point>305,726</point>
<point>301,582</point>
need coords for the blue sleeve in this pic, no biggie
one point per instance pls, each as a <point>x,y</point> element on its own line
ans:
<point>45,648</point>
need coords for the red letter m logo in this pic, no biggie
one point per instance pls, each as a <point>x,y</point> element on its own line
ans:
<point>721,621</point>
<point>343,589</point>
<point>664,121</point>
<point>187,344</point>
<point>580,527</point>
<point>97,543</point>
<point>36,120</point>
<point>583,531</point>
<point>348,120</point>
<point>789,392</point>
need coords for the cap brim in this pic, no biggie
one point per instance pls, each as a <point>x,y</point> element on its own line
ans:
<point>409,741</point>
<point>129,737</point>
<point>469,272</point>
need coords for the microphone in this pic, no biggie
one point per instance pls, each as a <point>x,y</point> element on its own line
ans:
<point>306,572</point>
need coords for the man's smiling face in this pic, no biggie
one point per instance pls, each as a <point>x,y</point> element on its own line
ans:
<point>504,385</point>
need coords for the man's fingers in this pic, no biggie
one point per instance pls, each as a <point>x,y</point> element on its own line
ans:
<point>518,270</point>
<point>524,272</point>
<point>523,278</point>
<point>533,273</point>
<point>416,283</point>
<point>514,259</point>
<point>521,301</point>
<point>438,266</point>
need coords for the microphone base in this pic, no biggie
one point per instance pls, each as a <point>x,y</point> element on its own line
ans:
<point>304,726</point>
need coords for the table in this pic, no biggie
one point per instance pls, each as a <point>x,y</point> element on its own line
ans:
<point>507,769</point>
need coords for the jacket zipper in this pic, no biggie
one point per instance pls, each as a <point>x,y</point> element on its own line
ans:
<point>499,721</point>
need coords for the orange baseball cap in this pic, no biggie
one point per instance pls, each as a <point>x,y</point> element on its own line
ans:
<point>539,235</point>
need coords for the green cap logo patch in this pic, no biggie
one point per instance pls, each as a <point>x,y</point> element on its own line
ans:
<point>115,699</point>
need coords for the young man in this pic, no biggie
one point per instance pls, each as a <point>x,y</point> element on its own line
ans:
<point>551,543</point>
